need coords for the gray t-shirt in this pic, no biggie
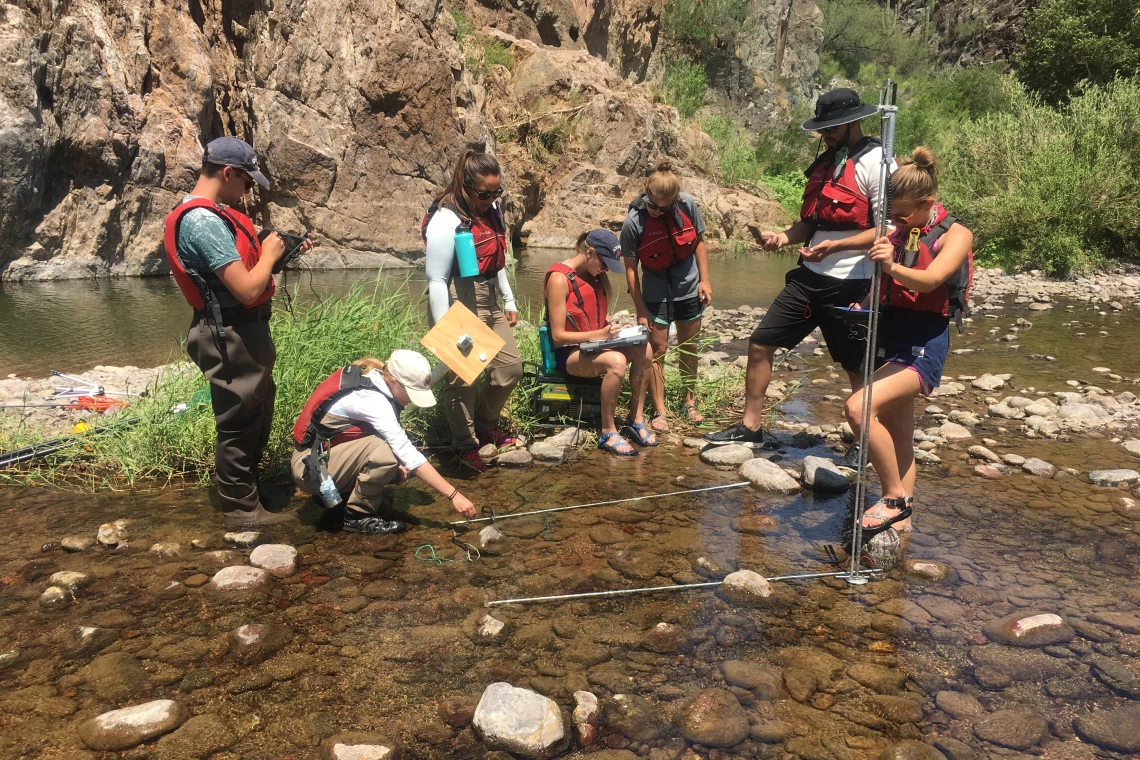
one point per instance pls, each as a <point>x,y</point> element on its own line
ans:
<point>684,275</point>
<point>205,242</point>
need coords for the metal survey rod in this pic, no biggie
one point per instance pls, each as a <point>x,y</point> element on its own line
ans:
<point>598,504</point>
<point>650,589</point>
<point>888,111</point>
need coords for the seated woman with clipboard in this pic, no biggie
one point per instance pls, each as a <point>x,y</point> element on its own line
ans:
<point>577,293</point>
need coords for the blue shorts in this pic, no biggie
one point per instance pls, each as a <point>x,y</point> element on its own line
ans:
<point>920,344</point>
<point>561,354</point>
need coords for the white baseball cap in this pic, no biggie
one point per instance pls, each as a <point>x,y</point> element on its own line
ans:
<point>412,370</point>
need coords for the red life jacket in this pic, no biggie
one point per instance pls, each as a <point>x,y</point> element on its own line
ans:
<point>665,239</point>
<point>201,287</point>
<point>917,251</point>
<point>490,235</point>
<point>586,304</point>
<point>310,426</point>
<point>832,198</point>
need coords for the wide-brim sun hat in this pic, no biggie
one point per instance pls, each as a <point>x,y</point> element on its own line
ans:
<point>836,108</point>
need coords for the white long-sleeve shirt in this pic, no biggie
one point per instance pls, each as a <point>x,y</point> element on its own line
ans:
<point>440,260</point>
<point>365,406</point>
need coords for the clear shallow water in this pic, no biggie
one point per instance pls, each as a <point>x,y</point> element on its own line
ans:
<point>74,325</point>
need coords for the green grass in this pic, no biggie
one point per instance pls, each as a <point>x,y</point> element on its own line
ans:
<point>685,87</point>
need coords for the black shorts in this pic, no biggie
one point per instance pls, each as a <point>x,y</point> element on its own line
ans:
<point>683,311</point>
<point>806,303</point>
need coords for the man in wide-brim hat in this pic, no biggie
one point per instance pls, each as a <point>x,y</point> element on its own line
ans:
<point>837,222</point>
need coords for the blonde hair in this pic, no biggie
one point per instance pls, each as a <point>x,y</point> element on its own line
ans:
<point>582,246</point>
<point>369,363</point>
<point>917,179</point>
<point>663,183</point>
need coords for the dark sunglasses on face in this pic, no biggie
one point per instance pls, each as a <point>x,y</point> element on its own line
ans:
<point>655,207</point>
<point>246,179</point>
<point>485,194</point>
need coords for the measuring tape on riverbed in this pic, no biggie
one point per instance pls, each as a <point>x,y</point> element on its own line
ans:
<point>494,517</point>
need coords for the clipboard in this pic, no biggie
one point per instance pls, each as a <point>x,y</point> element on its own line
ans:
<point>443,341</point>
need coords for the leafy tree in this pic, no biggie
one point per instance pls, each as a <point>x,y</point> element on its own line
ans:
<point>1072,42</point>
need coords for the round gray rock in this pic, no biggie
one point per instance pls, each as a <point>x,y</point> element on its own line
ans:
<point>821,474</point>
<point>1117,729</point>
<point>714,718</point>
<point>726,456</point>
<point>768,476</point>
<point>1015,729</point>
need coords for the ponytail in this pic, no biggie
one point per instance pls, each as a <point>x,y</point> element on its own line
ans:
<point>471,164</point>
<point>917,179</point>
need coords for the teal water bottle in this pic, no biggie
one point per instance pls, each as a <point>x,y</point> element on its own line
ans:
<point>465,251</point>
<point>546,343</point>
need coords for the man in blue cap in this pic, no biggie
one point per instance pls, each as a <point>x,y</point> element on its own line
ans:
<point>835,229</point>
<point>226,274</point>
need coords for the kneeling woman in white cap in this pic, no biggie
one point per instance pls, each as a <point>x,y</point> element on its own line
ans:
<point>356,411</point>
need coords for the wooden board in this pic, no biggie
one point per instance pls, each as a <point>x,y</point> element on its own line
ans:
<point>442,341</point>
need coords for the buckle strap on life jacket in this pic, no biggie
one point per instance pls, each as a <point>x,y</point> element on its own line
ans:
<point>352,379</point>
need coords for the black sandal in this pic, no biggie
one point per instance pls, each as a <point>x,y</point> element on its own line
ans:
<point>900,503</point>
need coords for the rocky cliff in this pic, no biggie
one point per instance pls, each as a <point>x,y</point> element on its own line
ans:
<point>358,110</point>
<point>969,31</point>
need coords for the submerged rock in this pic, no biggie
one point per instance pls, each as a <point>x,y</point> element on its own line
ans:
<point>199,737</point>
<point>1030,629</point>
<point>239,578</point>
<point>1014,729</point>
<point>636,718</point>
<point>484,628</point>
<point>54,597</point>
<point>77,543</point>
<point>244,539</point>
<point>110,535</point>
<point>254,642</point>
<point>84,639</point>
<point>586,717</point>
<point>165,549</point>
<point>909,749</point>
<point>764,681</point>
<point>279,560</point>
<point>519,721</point>
<point>1039,467</point>
<point>768,476</point>
<point>929,570</point>
<point>1113,477</point>
<point>122,729</point>
<point>713,718</point>
<point>68,580</point>
<point>1116,729</point>
<point>358,745</point>
<point>492,541</point>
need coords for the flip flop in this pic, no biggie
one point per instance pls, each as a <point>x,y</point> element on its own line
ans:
<point>604,443</point>
<point>640,433</point>
<point>693,414</point>
<point>664,428</point>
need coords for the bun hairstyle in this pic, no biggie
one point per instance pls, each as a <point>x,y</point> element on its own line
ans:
<point>471,164</point>
<point>369,363</point>
<point>663,183</point>
<point>917,179</point>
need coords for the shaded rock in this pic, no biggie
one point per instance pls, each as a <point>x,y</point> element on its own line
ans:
<point>165,549</point>
<point>358,745</point>
<point>115,677</point>
<point>279,560</point>
<point>929,570</point>
<point>68,580</point>
<point>909,749</point>
<point>764,681</point>
<point>1115,675</point>
<point>75,641</point>
<point>1124,621</point>
<point>958,705</point>
<point>768,476</point>
<point>713,718</point>
<point>1039,467</point>
<point>637,565</point>
<point>1116,729</point>
<point>1030,629</point>
<point>772,731</point>
<point>725,456</point>
<point>255,642</point>
<point>1015,729</point>
<point>821,474</point>
<point>199,737</point>
<point>515,458</point>
<point>882,679</point>
<point>1113,477</point>
<point>520,722</point>
<point>895,709</point>
<point>635,718</point>
<point>54,597</point>
<point>239,578</point>
<point>665,638</point>
<point>131,726</point>
<point>745,587</point>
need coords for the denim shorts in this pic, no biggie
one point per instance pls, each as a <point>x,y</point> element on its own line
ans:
<point>921,344</point>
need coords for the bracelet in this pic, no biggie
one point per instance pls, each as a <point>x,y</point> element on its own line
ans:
<point>453,493</point>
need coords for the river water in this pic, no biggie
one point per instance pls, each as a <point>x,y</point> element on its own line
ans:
<point>382,640</point>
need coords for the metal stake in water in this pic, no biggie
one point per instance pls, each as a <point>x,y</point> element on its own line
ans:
<point>888,110</point>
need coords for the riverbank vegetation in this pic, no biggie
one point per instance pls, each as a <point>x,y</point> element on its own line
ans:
<point>1040,161</point>
<point>169,433</point>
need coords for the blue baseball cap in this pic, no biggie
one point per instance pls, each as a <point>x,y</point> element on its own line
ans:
<point>608,247</point>
<point>230,151</point>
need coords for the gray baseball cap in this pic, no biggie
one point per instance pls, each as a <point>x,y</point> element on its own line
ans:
<point>608,247</point>
<point>230,151</point>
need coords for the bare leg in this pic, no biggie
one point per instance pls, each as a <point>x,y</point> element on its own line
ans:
<point>758,377</point>
<point>640,359</point>
<point>687,333</point>
<point>659,342</point>
<point>894,390</point>
<point>613,364</point>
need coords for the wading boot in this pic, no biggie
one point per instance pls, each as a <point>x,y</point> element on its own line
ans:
<point>246,512</point>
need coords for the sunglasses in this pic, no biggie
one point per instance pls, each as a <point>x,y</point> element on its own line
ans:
<point>829,130</point>
<point>248,180</point>
<point>485,194</point>
<point>655,207</point>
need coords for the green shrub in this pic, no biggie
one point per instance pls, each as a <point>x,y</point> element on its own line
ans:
<point>1070,42</point>
<point>932,108</point>
<point>861,33</point>
<point>787,188</point>
<point>738,159</point>
<point>699,27</point>
<point>495,53</point>
<point>1048,188</point>
<point>464,28</point>
<point>685,87</point>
